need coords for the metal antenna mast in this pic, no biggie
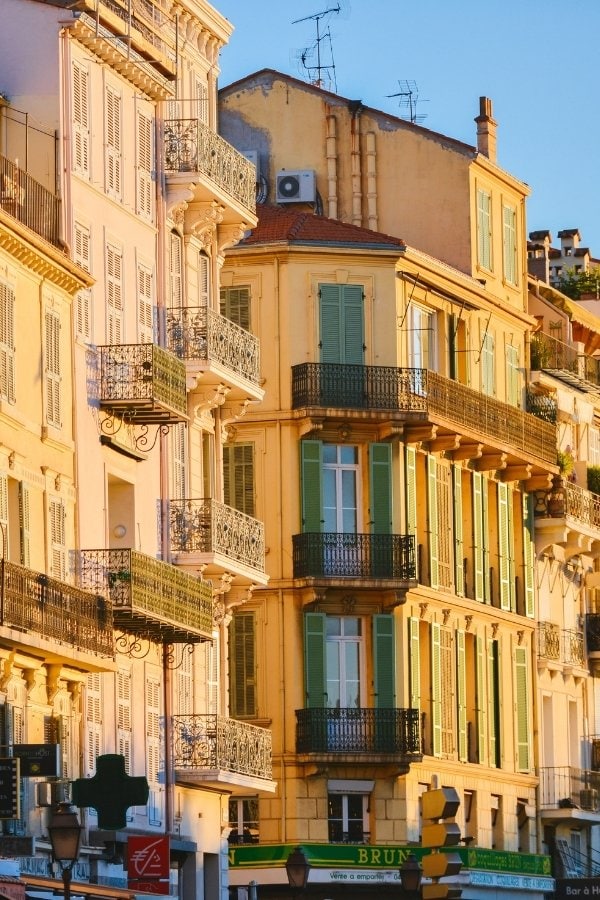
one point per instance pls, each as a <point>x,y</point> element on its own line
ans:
<point>409,96</point>
<point>307,53</point>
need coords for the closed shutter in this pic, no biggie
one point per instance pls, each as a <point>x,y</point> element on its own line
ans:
<point>314,660</point>
<point>411,490</point>
<point>478,575</point>
<point>93,722</point>
<point>242,665</point>
<point>124,717</point>
<point>436,690</point>
<point>7,343</point>
<point>53,369</point>
<point>144,166</point>
<point>480,699</point>
<point>384,661</point>
<point>58,549</point>
<point>201,99</point>
<point>212,676</point>
<point>203,280</point>
<point>312,490</point>
<point>528,555</point>
<point>184,695</point>
<point>112,126</point>
<point>24,524</point>
<point>341,324</point>
<point>238,477</point>
<point>4,531</point>
<point>380,457</point>
<point>81,124</point>
<point>503,546</point>
<point>114,295</point>
<point>494,703</point>
<point>82,256</point>
<point>461,693</point>
<point>459,571</point>
<point>443,525</point>
<point>414,663</point>
<point>152,728</point>
<point>488,365</point>
<point>145,305</point>
<point>512,376</point>
<point>178,434</point>
<point>432,521</point>
<point>175,271</point>
<point>509,227</point>
<point>522,709</point>
<point>487,589</point>
<point>447,677</point>
<point>235,305</point>
<point>484,229</point>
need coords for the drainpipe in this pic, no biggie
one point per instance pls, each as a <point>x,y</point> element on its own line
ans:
<point>331,154</point>
<point>355,107</point>
<point>371,181</point>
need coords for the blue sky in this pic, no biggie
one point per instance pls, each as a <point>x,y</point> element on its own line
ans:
<point>538,60</point>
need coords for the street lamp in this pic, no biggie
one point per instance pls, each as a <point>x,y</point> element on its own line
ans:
<point>410,876</point>
<point>297,868</point>
<point>65,837</point>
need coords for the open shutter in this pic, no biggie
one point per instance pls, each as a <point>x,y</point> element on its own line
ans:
<point>4,532</point>
<point>114,295</point>
<point>494,703</point>
<point>314,660</point>
<point>203,279</point>
<point>461,685</point>
<point>93,722</point>
<point>503,543</point>
<point>436,689</point>
<point>411,490</point>
<point>312,491</point>
<point>112,125</point>
<point>58,549</point>
<point>381,488</point>
<point>145,305</point>
<point>152,729</point>
<point>528,555</point>
<point>124,717</point>
<point>175,271</point>
<point>383,662</point>
<point>144,166</point>
<point>24,526</point>
<point>459,572</point>
<point>80,118</point>
<point>480,699</point>
<point>485,533</point>
<point>52,373</point>
<point>433,521</point>
<point>522,710</point>
<point>82,256</point>
<point>414,663</point>
<point>7,343</point>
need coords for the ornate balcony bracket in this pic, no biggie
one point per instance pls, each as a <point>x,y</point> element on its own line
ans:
<point>230,235</point>
<point>111,425</point>
<point>135,646</point>
<point>230,416</point>
<point>211,400</point>
<point>202,220</point>
<point>178,198</point>
<point>174,655</point>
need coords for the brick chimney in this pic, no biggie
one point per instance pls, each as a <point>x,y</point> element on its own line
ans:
<point>486,129</point>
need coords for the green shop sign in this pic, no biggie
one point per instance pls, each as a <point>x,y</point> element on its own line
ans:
<point>349,856</point>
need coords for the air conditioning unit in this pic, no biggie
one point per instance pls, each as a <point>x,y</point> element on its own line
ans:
<point>49,793</point>
<point>296,186</point>
<point>589,799</point>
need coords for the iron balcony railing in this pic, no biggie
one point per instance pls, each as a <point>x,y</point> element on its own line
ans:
<point>548,641</point>
<point>151,19</point>
<point>566,787</point>
<point>568,500</point>
<point>26,200</point>
<point>564,361</point>
<point>143,381</point>
<point>150,597</point>
<point>199,333</point>
<point>421,391</point>
<point>208,742</point>
<point>573,647</point>
<point>191,146</point>
<point>542,406</point>
<point>358,730</point>
<point>330,554</point>
<point>207,526</point>
<point>55,610</point>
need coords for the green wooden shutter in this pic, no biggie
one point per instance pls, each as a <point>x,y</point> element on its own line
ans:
<point>433,521</point>
<point>381,488</point>
<point>494,703</point>
<point>312,491</point>
<point>503,540</point>
<point>341,323</point>
<point>480,699</point>
<point>330,323</point>
<point>436,689</point>
<point>414,663</point>
<point>528,555</point>
<point>242,664</point>
<point>383,661</point>
<point>459,572</point>
<point>461,692</point>
<point>411,490</point>
<point>452,345</point>
<point>314,660</point>
<point>354,338</point>
<point>522,711</point>
<point>485,534</point>
<point>512,375</point>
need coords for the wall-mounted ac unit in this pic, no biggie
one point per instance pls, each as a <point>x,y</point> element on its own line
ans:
<point>296,186</point>
<point>589,799</point>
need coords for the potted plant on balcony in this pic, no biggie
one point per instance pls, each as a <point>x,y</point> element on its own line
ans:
<point>565,462</point>
<point>593,479</point>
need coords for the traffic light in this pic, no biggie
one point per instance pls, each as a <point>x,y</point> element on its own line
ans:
<point>440,804</point>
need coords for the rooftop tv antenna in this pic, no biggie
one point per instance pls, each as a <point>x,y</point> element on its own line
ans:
<point>409,97</point>
<point>317,59</point>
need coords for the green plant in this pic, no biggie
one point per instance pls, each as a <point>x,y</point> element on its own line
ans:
<point>565,462</point>
<point>574,284</point>
<point>593,479</point>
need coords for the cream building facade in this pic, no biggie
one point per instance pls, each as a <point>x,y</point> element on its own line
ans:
<point>150,198</point>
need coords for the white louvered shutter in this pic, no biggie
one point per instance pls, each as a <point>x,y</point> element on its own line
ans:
<point>144,192</point>
<point>114,295</point>
<point>53,369</point>
<point>81,123</point>
<point>113,125</point>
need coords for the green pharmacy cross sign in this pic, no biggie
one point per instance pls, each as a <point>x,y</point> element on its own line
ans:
<point>111,791</point>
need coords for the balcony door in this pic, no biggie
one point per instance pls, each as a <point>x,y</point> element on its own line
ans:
<point>343,652</point>
<point>421,338</point>
<point>342,345</point>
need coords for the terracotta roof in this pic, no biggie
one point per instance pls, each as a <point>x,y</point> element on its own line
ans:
<point>287,224</point>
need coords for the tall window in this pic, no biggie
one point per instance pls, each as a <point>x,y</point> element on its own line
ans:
<point>242,665</point>
<point>340,488</point>
<point>421,337</point>
<point>52,371</point>
<point>7,343</point>
<point>82,256</point>
<point>343,662</point>
<point>144,163</point>
<point>112,139</point>
<point>243,820</point>
<point>235,305</point>
<point>114,294</point>
<point>238,477</point>
<point>484,229</point>
<point>58,547</point>
<point>81,123</point>
<point>509,226</point>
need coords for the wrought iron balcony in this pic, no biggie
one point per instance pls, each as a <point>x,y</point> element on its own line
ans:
<point>56,611</point>
<point>199,334</point>
<point>209,527</point>
<point>565,787</point>
<point>566,500</point>
<point>331,554</point>
<point>565,362</point>
<point>542,406</point>
<point>548,641</point>
<point>419,394</point>
<point>142,383</point>
<point>359,730</point>
<point>191,146</point>
<point>573,650</point>
<point>149,597</point>
<point>209,743</point>
<point>26,200</point>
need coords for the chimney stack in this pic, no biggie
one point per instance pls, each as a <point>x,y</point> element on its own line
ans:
<point>486,129</point>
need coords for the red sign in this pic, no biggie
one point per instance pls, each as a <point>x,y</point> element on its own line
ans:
<point>148,863</point>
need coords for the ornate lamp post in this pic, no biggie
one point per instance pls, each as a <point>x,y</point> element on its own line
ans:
<point>410,876</point>
<point>297,868</point>
<point>65,836</point>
